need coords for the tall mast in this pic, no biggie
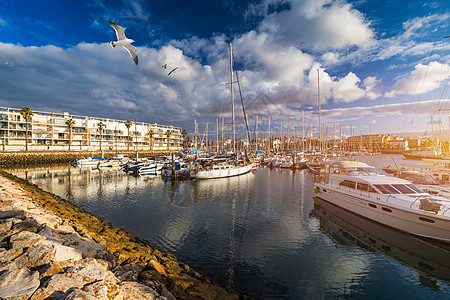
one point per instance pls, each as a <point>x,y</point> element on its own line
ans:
<point>303,130</point>
<point>217,136</point>
<point>320,112</point>
<point>232,99</point>
<point>256,134</point>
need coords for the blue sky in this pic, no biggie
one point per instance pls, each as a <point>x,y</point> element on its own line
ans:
<point>383,66</point>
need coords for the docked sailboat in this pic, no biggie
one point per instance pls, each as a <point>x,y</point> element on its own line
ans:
<point>392,201</point>
<point>211,168</point>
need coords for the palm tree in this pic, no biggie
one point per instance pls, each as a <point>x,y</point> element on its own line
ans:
<point>168,134</point>
<point>150,134</point>
<point>128,124</point>
<point>188,142</point>
<point>69,123</point>
<point>100,126</point>
<point>184,133</point>
<point>26,113</point>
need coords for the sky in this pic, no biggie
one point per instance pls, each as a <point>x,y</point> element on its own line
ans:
<point>380,66</point>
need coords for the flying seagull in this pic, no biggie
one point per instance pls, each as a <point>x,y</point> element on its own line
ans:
<point>123,41</point>
<point>164,66</point>
<point>172,71</point>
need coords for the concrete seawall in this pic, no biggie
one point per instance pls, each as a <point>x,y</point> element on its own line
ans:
<point>52,248</point>
<point>13,159</point>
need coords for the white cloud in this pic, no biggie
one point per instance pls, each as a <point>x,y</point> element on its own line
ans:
<point>320,24</point>
<point>423,79</point>
<point>347,89</point>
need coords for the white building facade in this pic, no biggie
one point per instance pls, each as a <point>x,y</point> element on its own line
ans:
<point>49,131</point>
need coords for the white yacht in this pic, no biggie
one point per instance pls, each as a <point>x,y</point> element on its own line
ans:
<point>392,201</point>
<point>218,168</point>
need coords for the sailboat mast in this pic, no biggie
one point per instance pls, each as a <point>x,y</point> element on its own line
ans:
<point>320,112</point>
<point>232,100</point>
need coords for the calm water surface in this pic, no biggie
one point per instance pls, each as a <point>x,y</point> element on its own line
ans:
<point>262,234</point>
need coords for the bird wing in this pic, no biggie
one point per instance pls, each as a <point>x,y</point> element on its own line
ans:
<point>120,31</point>
<point>133,52</point>
<point>172,71</point>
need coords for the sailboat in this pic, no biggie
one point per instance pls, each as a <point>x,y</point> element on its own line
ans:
<point>220,167</point>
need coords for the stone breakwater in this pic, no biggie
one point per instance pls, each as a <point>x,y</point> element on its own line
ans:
<point>51,249</point>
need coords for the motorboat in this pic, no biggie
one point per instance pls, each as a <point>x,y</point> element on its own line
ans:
<point>88,162</point>
<point>286,162</point>
<point>392,201</point>
<point>180,170</point>
<point>219,168</point>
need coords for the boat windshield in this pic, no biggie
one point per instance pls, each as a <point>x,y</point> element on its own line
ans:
<point>398,188</point>
<point>354,171</point>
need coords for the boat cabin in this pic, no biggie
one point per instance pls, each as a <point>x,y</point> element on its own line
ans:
<point>358,176</point>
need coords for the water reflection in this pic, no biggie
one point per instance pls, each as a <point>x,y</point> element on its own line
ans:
<point>428,258</point>
<point>254,233</point>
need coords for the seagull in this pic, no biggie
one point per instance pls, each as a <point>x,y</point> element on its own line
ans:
<point>172,71</point>
<point>123,41</point>
<point>164,66</point>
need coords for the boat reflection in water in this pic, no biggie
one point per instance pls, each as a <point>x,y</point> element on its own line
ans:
<point>429,258</point>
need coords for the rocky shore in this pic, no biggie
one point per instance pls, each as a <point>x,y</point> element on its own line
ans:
<point>51,249</point>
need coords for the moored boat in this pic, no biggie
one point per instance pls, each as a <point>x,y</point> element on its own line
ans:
<point>392,201</point>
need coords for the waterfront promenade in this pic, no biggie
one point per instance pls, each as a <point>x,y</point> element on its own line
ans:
<point>49,247</point>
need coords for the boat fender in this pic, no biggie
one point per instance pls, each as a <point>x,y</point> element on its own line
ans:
<point>316,190</point>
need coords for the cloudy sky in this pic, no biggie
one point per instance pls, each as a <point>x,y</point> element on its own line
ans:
<point>382,65</point>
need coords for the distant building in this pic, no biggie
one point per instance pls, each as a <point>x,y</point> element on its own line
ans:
<point>48,130</point>
<point>397,144</point>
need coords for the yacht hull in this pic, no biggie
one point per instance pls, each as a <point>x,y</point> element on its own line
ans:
<point>412,221</point>
<point>221,173</point>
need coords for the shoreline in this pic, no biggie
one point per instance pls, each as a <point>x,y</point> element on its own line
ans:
<point>118,250</point>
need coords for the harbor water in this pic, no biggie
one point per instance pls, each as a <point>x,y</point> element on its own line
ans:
<point>262,234</point>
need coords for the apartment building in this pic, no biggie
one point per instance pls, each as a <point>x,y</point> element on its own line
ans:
<point>49,131</point>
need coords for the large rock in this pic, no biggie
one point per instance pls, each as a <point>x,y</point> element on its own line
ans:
<point>12,214</point>
<point>36,256</point>
<point>109,258</point>
<point>25,239</point>
<point>128,272</point>
<point>104,289</point>
<point>153,264</point>
<point>5,226</point>
<point>74,277</point>
<point>138,291</point>
<point>29,224</point>
<point>63,253</point>
<point>77,294</point>
<point>11,254</point>
<point>87,248</point>
<point>18,284</point>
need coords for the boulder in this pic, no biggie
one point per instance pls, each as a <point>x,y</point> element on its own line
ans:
<point>29,224</point>
<point>18,284</point>
<point>63,253</point>
<point>25,239</point>
<point>104,289</point>
<point>12,214</point>
<point>5,226</point>
<point>128,272</point>
<point>154,265</point>
<point>109,258</point>
<point>11,254</point>
<point>77,294</point>
<point>138,291</point>
<point>87,248</point>
<point>36,256</point>
<point>74,277</point>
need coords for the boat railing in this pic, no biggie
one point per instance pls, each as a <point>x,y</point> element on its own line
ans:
<point>417,198</point>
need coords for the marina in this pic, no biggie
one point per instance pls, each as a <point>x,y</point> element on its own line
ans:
<point>263,233</point>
